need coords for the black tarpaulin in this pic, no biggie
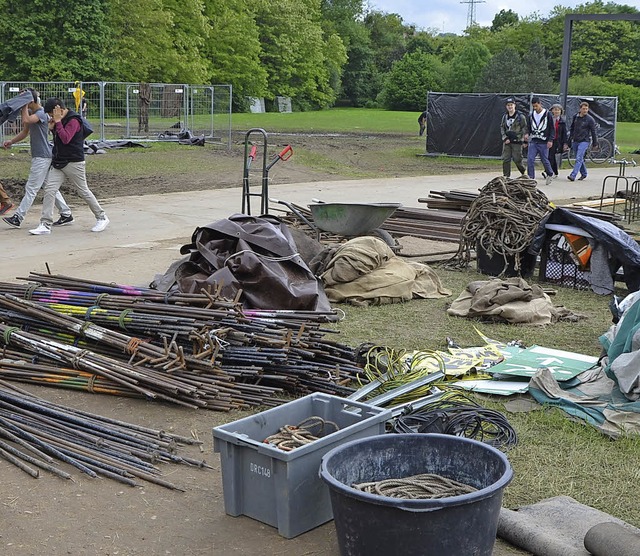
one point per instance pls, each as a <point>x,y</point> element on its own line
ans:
<point>468,124</point>
<point>254,255</point>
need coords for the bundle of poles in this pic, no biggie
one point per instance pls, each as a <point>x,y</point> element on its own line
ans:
<point>37,435</point>
<point>195,350</point>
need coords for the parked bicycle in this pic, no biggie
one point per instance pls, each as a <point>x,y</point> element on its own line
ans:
<point>605,152</point>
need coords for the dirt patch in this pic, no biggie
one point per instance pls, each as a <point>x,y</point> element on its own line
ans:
<point>316,157</point>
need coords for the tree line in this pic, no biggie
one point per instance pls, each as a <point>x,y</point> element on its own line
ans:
<point>321,53</point>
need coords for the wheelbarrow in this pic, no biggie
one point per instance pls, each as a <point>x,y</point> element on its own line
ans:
<point>347,219</point>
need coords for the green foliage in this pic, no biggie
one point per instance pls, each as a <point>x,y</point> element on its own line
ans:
<point>628,95</point>
<point>293,51</point>
<point>388,38</point>
<point>361,79</point>
<point>536,70</point>
<point>504,18</point>
<point>410,79</point>
<point>503,74</point>
<point>140,45</point>
<point>53,41</point>
<point>234,49</point>
<point>189,31</point>
<point>315,51</point>
<point>467,66</point>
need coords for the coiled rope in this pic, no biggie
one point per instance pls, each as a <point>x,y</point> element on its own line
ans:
<point>502,220</point>
<point>290,437</point>
<point>423,486</point>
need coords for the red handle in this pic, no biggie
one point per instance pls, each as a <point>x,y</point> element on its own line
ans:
<point>253,151</point>
<point>286,153</point>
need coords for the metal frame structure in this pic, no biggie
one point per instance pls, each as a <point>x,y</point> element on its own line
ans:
<point>142,112</point>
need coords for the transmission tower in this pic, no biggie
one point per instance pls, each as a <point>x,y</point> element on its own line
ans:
<point>471,14</point>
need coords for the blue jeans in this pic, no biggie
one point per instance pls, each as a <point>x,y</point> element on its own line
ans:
<point>579,166</point>
<point>537,148</point>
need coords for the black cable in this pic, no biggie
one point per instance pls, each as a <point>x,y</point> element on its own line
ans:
<point>468,420</point>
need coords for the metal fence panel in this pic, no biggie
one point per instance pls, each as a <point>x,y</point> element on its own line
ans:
<point>140,111</point>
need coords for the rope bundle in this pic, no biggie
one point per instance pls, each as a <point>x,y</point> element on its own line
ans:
<point>425,485</point>
<point>503,219</point>
<point>290,437</point>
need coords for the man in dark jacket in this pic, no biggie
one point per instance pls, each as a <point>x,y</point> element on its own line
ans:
<point>67,162</point>
<point>583,131</point>
<point>513,128</point>
<point>540,138</point>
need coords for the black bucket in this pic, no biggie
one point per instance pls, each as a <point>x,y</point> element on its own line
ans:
<point>493,265</point>
<point>372,525</point>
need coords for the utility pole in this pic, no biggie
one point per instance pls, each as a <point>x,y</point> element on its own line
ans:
<point>471,14</point>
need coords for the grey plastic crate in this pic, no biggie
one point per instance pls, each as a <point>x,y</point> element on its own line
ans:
<point>283,489</point>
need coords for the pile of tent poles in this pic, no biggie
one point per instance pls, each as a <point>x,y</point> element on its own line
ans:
<point>195,350</point>
<point>37,435</point>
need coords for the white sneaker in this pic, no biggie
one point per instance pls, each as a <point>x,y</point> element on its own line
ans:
<point>41,230</point>
<point>549,179</point>
<point>100,224</point>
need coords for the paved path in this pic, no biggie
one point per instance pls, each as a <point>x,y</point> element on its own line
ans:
<point>146,232</point>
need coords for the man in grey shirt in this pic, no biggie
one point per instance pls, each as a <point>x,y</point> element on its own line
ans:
<point>36,126</point>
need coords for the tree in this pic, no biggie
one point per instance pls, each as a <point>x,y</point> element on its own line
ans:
<point>410,79</point>
<point>388,38</point>
<point>361,80</point>
<point>55,40</point>
<point>293,51</point>
<point>535,67</point>
<point>503,74</point>
<point>504,18</point>
<point>466,67</point>
<point>189,29</point>
<point>234,49</point>
<point>140,45</point>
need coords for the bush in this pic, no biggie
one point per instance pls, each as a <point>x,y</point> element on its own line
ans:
<point>628,95</point>
<point>410,78</point>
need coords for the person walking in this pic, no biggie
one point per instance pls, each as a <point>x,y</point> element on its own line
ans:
<point>581,133</point>
<point>36,126</point>
<point>67,162</point>
<point>5,202</point>
<point>540,135</point>
<point>560,138</point>
<point>422,122</point>
<point>513,128</point>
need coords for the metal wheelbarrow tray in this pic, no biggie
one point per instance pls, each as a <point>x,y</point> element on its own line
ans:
<point>351,219</point>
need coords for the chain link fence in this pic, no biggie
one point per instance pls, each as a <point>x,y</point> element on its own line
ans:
<point>121,111</point>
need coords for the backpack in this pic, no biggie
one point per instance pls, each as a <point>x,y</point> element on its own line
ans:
<point>86,128</point>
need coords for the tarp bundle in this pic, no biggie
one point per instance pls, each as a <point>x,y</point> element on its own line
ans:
<point>255,255</point>
<point>365,271</point>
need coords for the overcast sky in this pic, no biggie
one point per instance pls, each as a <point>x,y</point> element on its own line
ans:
<point>450,16</point>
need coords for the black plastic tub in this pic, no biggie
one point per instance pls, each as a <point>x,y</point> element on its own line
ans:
<point>495,265</point>
<point>372,525</point>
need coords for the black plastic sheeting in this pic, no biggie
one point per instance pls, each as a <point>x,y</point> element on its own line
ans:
<point>621,246</point>
<point>468,124</point>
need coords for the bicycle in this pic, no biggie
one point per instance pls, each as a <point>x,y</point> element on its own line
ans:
<point>605,152</point>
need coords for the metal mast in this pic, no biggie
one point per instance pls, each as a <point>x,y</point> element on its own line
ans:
<point>471,14</point>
